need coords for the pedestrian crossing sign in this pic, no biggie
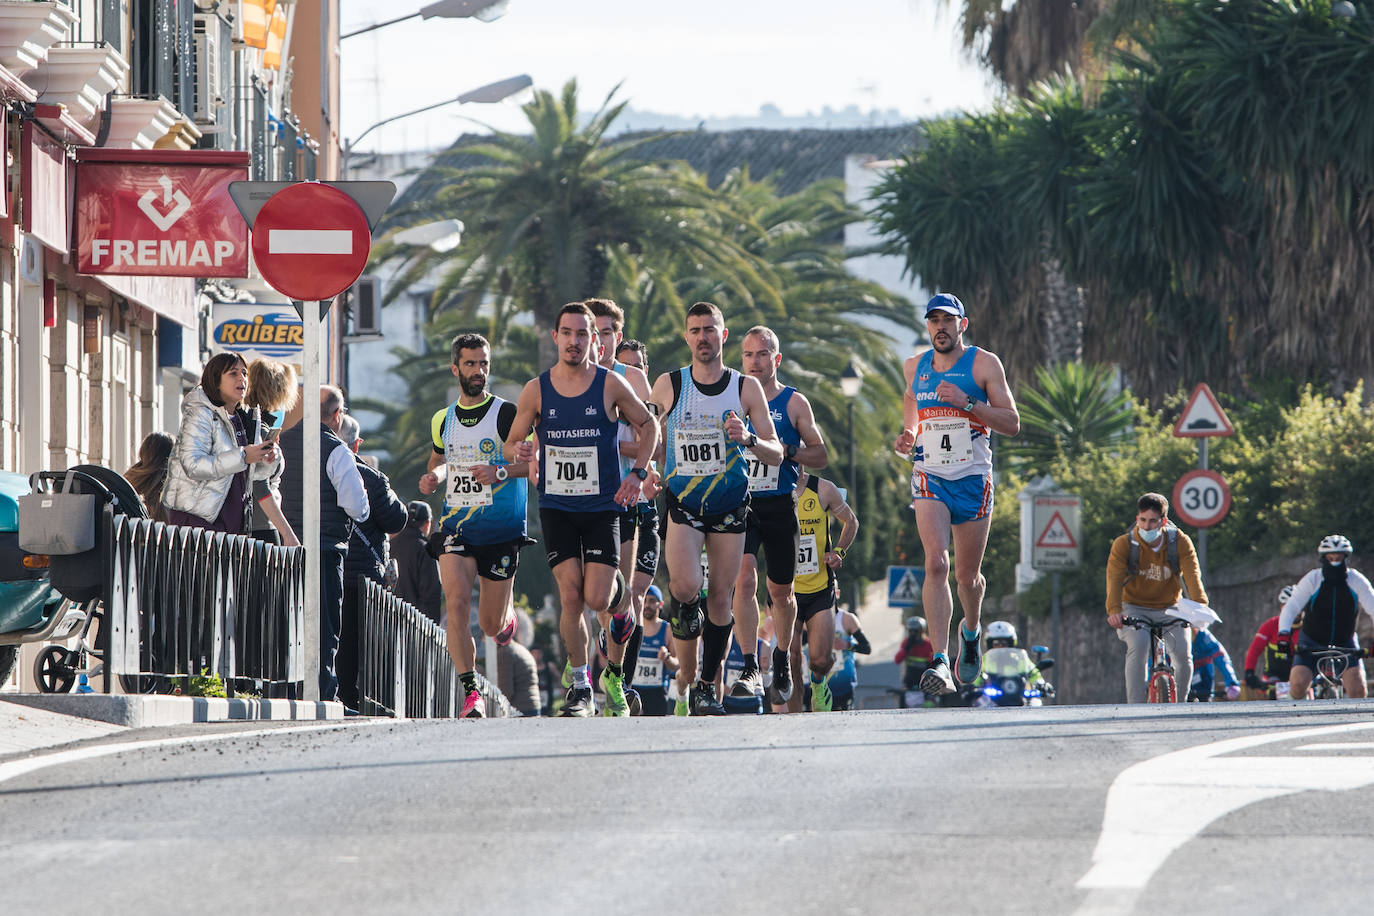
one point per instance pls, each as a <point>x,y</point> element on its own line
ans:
<point>904,586</point>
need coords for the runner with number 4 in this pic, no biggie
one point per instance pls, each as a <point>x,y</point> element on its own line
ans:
<point>482,530</point>
<point>956,396</point>
<point>573,409</point>
<point>772,522</point>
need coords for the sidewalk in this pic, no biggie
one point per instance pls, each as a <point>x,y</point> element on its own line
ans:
<point>33,721</point>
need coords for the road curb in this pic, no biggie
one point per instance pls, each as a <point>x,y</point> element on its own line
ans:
<point>152,711</point>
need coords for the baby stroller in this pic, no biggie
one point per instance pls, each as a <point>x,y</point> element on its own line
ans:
<point>77,561</point>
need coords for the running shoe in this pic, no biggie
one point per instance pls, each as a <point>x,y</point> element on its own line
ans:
<point>749,684</point>
<point>968,658</point>
<point>636,704</point>
<point>474,707</point>
<point>936,681</point>
<point>578,704</point>
<point>821,698</point>
<point>507,632</point>
<point>567,674</point>
<point>780,691</point>
<point>614,687</point>
<point>702,700</point>
<point>622,627</point>
<point>680,707</point>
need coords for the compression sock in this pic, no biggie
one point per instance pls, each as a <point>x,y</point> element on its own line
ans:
<point>780,659</point>
<point>750,661</point>
<point>469,679</point>
<point>714,640</point>
<point>581,678</point>
<point>632,647</point>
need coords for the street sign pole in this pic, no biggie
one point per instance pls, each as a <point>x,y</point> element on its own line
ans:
<point>1202,532</point>
<point>310,505</point>
<point>1054,623</point>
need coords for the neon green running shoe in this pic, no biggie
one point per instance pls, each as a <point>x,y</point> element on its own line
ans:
<point>613,685</point>
<point>821,698</point>
<point>680,708</point>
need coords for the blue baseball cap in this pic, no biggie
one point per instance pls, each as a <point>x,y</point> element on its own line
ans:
<point>653,592</point>
<point>945,302</point>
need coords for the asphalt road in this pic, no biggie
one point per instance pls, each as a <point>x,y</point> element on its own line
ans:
<point>1259,808</point>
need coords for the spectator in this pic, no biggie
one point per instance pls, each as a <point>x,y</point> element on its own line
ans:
<point>272,391</point>
<point>343,501</point>
<point>417,573</point>
<point>369,556</point>
<point>517,676</point>
<point>208,475</point>
<point>148,475</point>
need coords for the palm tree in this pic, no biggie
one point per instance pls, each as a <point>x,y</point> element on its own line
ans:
<point>1072,409</point>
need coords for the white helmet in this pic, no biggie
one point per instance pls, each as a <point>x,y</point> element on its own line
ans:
<point>1285,593</point>
<point>1001,630</point>
<point>1335,543</point>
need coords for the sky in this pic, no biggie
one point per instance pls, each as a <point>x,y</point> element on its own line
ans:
<point>698,60</point>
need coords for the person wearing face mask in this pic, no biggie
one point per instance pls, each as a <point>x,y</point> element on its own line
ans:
<point>1148,569</point>
<point>1332,597</point>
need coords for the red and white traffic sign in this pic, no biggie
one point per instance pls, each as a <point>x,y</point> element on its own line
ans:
<point>1203,416</point>
<point>1202,498</point>
<point>1056,526</point>
<point>311,241</point>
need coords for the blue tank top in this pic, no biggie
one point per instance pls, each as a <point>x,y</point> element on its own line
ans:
<point>650,670</point>
<point>780,480</point>
<point>951,443</point>
<point>579,464</point>
<point>845,676</point>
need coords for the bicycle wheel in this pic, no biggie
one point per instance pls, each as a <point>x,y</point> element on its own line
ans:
<point>1161,688</point>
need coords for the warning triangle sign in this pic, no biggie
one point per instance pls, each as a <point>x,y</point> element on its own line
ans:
<point>1203,416</point>
<point>1056,534</point>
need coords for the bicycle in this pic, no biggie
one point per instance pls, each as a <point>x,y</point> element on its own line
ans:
<point>1163,686</point>
<point>1332,662</point>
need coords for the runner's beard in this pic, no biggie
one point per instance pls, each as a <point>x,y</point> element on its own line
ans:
<point>946,346</point>
<point>473,385</point>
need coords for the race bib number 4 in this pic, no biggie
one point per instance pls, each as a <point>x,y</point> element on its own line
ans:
<point>700,452</point>
<point>946,442</point>
<point>464,492</point>
<point>762,477</point>
<point>571,471</point>
<point>807,561</point>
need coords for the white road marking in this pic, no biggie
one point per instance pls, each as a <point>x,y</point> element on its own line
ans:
<point>1156,806</point>
<point>310,241</point>
<point>16,768</point>
<point>1352,746</point>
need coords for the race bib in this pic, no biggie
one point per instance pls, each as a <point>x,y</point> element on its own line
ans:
<point>571,471</point>
<point>807,561</point>
<point>464,492</point>
<point>649,672</point>
<point>946,442</point>
<point>762,477</point>
<point>700,452</point>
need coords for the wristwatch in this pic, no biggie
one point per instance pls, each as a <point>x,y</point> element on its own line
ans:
<point>501,472</point>
<point>641,473</point>
<point>753,441</point>
<point>971,404</point>
<point>790,452</point>
<point>839,552</point>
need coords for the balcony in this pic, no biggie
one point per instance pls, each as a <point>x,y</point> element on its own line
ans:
<point>140,123</point>
<point>28,29</point>
<point>79,79</point>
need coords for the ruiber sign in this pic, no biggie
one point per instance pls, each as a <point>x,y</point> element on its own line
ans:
<point>160,213</point>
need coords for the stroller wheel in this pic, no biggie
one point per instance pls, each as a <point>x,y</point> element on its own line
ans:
<point>55,670</point>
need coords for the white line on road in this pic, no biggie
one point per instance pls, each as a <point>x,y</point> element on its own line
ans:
<point>17,768</point>
<point>310,241</point>
<point>1156,806</point>
<point>1352,746</point>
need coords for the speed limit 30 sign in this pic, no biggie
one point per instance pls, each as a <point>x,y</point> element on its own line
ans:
<point>1202,498</point>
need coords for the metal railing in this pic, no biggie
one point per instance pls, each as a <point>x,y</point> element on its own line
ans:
<point>185,601</point>
<point>404,667</point>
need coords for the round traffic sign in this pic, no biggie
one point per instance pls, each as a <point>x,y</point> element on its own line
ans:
<point>311,241</point>
<point>1202,498</point>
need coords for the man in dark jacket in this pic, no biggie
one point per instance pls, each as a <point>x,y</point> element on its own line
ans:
<point>417,573</point>
<point>368,558</point>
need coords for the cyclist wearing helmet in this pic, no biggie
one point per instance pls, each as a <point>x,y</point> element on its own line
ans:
<point>1002,635</point>
<point>1333,595</point>
<point>916,652</point>
<point>1265,643</point>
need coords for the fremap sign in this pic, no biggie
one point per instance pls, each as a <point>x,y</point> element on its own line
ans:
<point>163,213</point>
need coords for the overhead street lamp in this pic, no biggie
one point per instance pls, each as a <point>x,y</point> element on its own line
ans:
<point>481,10</point>
<point>485,95</point>
<point>851,383</point>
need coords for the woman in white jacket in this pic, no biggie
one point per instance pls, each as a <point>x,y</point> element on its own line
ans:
<point>208,478</point>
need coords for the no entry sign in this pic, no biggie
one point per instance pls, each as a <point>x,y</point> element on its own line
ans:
<point>311,241</point>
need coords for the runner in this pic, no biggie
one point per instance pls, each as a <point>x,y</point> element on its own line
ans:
<point>849,639</point>
<point>818,501</point>
<point>573,409</point>
<point>703,408</point>
<point>643,515</point>
<point>772,521</point>
<point>482,530</point>
<point>956,396</point>
<point>656,661</point>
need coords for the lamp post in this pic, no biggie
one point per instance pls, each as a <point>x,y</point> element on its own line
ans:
<point>851,383</point>
<point>481,10</point>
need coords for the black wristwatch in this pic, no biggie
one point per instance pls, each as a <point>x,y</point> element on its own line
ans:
<point>753,441</point>
<point>641,473</point>
<point>790,452</point>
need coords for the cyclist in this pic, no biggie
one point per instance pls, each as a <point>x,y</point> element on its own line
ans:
<point>915,653</point>
<point>1332,595</point>
<point>1209,656</point>
<point>1146,572</point>
<point>1266,641</point>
